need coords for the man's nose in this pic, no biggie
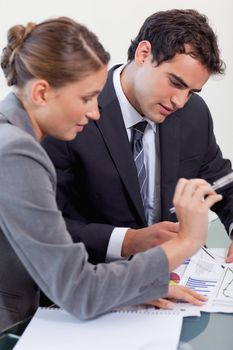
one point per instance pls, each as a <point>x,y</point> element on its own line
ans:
<point>180,98</point>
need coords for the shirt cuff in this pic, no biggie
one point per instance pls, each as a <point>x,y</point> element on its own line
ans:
<point>115,244</point>
<point>231,231</point>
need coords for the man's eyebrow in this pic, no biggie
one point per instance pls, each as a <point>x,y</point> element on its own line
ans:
<point>182,82</point>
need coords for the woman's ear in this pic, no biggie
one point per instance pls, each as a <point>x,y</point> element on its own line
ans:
<point>39,92</point>
<point>143,51</point>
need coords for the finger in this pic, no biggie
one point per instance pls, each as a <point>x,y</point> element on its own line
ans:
<point>162,303</point>
<point>194,294</point>
<point>190,296</point>
<point>193,299</point>
<point>176,291</point>
<point>197,188</point>
<point>179,189</point>
<point>229,258</point>
<point>172,235</point>
<point>193,185</point>
<point>186,188</point>
<point>172,226</point>
<point>212,199</point>
<point>201,190</point>
<point>166,235</point>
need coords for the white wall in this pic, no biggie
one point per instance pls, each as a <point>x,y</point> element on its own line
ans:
<point>116,22</point>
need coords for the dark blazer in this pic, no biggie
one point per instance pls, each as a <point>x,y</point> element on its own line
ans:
<point>97,180</point>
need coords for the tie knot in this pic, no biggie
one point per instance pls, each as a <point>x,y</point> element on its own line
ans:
<point>137,135</point>
<point>141,126</point>
<point>138,131</point>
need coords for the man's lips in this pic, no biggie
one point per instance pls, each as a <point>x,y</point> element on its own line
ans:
<point>164,110</point>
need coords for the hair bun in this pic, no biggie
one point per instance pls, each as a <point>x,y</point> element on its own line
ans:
<point>15,37</point>
<point>27,30</point>
<point>18,34</point>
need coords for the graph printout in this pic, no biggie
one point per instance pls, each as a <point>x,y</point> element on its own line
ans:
<point>213,279</point>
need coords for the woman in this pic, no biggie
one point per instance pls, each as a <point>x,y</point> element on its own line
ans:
<point>58,68</point>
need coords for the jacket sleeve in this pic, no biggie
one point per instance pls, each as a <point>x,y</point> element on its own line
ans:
<point>213,168</point>
<point>35,229</point>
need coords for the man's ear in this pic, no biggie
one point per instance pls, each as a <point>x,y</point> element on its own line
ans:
<point>39,92</point>
<point>143,51</point>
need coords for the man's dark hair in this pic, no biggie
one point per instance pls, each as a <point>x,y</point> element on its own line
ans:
<point>170,31</point>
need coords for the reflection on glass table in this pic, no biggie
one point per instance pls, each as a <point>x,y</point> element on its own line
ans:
<point>213,331</point>
<point>217,237</point>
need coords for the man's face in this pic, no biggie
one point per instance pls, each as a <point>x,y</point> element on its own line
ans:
<point>157,91</point>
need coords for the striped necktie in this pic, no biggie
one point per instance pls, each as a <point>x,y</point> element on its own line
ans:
<point>138,154</point>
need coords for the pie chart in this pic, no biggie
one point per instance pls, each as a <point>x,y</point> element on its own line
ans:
<point>174,277</point>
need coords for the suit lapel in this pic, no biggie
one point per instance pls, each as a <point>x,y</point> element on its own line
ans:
<point>170,151</point>
<point>112,128</point>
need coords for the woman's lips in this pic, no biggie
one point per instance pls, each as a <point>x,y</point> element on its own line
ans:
<point>79,127</point>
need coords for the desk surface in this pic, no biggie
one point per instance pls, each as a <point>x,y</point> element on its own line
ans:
<point>210,331</point>
<point>217,237</point>
<point>213,331</point>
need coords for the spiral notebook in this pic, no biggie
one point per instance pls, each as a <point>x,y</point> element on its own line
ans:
<point>124,329</point>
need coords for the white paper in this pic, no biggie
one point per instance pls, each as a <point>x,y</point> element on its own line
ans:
<point>212,278</point>
<point>56,329</point>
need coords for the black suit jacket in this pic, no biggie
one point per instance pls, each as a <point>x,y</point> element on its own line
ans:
<point>97,179</point>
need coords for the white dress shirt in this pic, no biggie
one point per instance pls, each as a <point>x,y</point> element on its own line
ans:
<point>152,164</point>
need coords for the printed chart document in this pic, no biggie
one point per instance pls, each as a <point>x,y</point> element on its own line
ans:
<point>185,309</point>
<point>210,277</point>
<point>123,329</point>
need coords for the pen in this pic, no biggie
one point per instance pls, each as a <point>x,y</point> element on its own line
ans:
<point>206,251</point>
<point>223,181</point>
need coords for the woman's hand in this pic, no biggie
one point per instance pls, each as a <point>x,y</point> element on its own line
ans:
<point>192,200</point>
<point>179,292</point>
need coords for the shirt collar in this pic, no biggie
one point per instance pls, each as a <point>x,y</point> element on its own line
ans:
<point>129,113</point>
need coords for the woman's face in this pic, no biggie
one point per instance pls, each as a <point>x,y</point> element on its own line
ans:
<point>68,109</point>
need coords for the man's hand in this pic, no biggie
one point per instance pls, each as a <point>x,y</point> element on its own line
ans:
<point>179,293</point>
<point>229,258</point>
<point>139,240</point>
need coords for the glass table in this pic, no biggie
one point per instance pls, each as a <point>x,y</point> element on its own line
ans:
<point>213,331</point>
<point>210,330</point>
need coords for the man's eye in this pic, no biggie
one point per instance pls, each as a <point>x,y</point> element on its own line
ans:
<point>176,84</point>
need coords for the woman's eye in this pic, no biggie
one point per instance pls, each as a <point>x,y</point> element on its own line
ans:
<point>87,99</point>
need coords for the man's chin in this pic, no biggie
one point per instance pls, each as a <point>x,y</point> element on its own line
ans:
<point>157,119</point>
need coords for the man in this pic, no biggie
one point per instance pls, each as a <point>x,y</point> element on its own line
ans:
<point>108,203</point>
